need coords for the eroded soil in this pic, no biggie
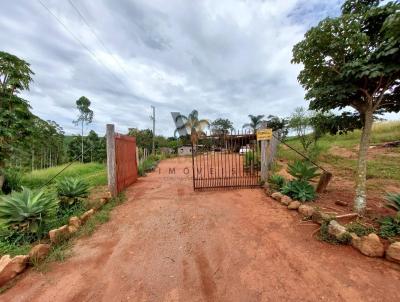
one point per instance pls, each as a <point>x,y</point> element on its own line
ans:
<point>168,243</point>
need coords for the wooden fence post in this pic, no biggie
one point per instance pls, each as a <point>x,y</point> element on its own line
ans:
<point>111,173</point>
<point>273,148</point>
<point>137,156</point>
<point>264,160</point>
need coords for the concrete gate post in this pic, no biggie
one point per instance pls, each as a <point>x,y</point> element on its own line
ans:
<point>111,166</point>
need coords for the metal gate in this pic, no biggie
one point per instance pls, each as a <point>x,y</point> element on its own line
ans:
<point>227,160</point>
<point>125,161</point>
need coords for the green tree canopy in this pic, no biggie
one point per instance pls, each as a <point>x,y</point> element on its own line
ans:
<point>354,60</point>
<point>85,116</point>
<point>221,126</point>
<point>15,116</point>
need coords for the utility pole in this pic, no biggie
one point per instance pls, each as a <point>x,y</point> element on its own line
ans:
<point>153,118</point>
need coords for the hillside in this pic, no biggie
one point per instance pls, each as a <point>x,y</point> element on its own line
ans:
<point>338,154</point>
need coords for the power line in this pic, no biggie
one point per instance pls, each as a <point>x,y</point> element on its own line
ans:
<point>81,43</point>
<point>97,37</point>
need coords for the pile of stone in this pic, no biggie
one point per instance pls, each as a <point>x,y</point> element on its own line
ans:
<point>369,245</point>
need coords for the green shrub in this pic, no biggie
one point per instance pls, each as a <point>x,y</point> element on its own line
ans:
<point>299,189</point>
<point>12,181</point>
<point>27,210</point>
<point>389,226</point>
<point>302,170</point>
<point>359,229</point>
<point>148,165</point>
<point>393,201</point>
<point>71,190</point>
<point>276,182</point>
<point>251,158</point>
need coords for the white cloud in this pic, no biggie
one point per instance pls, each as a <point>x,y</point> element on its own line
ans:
<point>224,58</point>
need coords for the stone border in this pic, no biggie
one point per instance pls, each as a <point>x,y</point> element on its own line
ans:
<point>11,267</point>
<point>369,245</point>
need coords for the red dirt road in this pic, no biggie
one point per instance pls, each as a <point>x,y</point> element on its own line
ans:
<point>168,243</point>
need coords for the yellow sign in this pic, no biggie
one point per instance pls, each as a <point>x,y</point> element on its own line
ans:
<point>264,134</point>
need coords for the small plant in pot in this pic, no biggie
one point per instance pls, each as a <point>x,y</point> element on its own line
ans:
<point>72,190</point>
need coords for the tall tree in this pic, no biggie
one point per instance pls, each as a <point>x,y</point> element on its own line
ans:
<point>300,122</point>
<point>221,126</point>
<point>354,60</point>
<point>144,137</point>
<point>255,122</point>
<point>85,115</point>
<point>193,125</point>
<point>15,76</point>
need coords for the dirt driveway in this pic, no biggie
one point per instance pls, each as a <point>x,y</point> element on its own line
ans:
<point>167,243</point>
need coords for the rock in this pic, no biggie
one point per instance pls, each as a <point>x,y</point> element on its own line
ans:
<point>59,234</point>
<point>72,229</point>
<point>306,210</point>
<point>336,229</point>
<point>319,217</point>
<point>85,216</point>
<point>286,200</point>
<point>393,252</point>
<point>39,252</point>
<point>341,203</point>
<point>277,196</point>
<point>294,205</point>
<point>10,267</point>
<point>75,222</point>
<point>369,245</point>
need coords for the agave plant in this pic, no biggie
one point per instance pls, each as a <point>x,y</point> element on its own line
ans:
<point>276,181</point>
<point>299,190</point>
<point>71,189</point>
<point>393,201</point>
<point>27,210</point>
<point>302,170</point>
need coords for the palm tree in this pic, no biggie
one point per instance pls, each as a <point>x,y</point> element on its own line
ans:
<point>255,122</point>
<point>193,125</point>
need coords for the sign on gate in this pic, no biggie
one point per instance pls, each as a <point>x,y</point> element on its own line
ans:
<point>264,134</point>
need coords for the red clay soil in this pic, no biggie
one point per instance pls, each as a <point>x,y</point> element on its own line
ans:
<point>168,243</point>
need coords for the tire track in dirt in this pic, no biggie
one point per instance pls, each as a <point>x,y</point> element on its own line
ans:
<point>168,243</point>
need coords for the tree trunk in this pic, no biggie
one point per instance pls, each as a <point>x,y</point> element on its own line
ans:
<point>360,201</point>
<point>82,142</point>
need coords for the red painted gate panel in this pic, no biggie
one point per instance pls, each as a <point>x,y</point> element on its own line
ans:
<point>125,161</point>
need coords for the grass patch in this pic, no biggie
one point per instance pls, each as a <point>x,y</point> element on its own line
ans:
<point>381,166</point>
<point>12,249</point>
<point>63,250</point>
<point>100,217</point>
<point>94,174</point>
<point>359,229</point>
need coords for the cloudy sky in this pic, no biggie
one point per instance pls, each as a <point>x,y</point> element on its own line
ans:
<point>225,58</point>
